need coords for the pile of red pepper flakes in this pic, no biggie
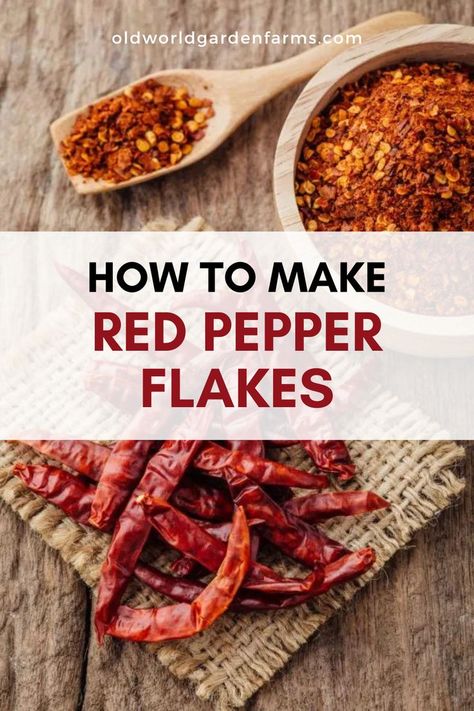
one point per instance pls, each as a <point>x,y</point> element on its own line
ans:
<point>394,151</point>
<point>148,127</point>
<point>212,503</point>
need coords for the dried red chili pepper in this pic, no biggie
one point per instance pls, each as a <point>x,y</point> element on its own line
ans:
<point>268,591</point>
<point>177,589</point>
<point>342,570</point>
<point>346,568</point>
<point>252,446</point>
<point>122,472</point>
<point>70,493</point>
<point>190,538</point>
<point>331,455</point>
<point>163,473</point>
<point>75,496</point>
<point>83,456</point>
<point>219,530</point>
<point>183,533</point>
<point>184,620</point>
<point>256,448</point>
<point>321,506</point>
<point>185,566</point>
<point>297,539</point>
<point>222,530</point>
<point>294,537</point>
<point>203,501</point>
<point>214,459</point>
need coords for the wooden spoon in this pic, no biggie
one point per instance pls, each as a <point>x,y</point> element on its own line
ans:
<point>235,94</point>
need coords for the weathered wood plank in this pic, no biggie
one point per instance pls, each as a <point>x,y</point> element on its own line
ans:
<point>43,618</point>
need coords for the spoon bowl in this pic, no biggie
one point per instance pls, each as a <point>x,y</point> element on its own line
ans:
<point>235,94</point>
<point>206,84</point>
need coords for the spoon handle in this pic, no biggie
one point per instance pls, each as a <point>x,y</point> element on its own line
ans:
<point>270,80</point>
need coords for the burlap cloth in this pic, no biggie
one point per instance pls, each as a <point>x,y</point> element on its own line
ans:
<point>240,652</point>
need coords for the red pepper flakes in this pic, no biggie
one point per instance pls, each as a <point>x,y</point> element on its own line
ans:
<point>394,151</point>
<point>148,127</point>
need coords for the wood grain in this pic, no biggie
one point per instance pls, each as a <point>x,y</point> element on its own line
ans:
<point>408,640</point>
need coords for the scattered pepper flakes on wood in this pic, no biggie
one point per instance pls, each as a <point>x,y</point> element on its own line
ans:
<point>396,151</point>
<point>130,134</point>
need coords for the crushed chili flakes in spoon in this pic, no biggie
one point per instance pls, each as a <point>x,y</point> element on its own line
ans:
<point>148,127</point>
<point>394,151</point>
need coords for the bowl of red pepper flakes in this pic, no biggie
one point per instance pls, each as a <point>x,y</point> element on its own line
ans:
<point>146,128</point>
<point>382,139</point>
<point>393,152</point>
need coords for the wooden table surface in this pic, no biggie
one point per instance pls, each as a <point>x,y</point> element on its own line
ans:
<point>407,642</point>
